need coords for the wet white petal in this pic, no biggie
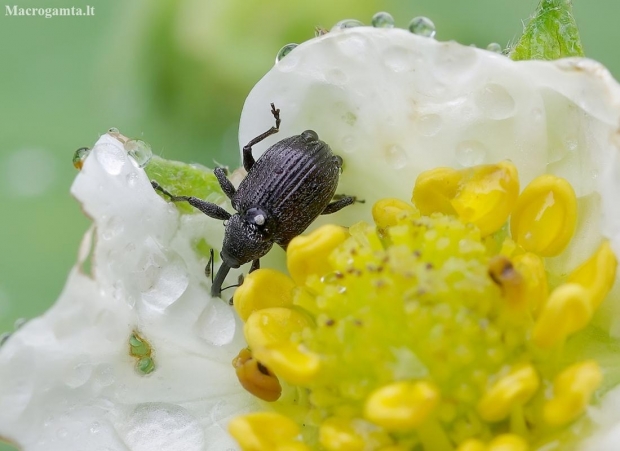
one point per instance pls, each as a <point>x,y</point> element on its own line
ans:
<point>68,381</point>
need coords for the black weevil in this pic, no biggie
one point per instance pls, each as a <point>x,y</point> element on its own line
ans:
<point>286,189</point>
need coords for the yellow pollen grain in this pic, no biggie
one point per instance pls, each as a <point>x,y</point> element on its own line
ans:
<point>308,254</point>
<point>544,219</point>
<point>508,442</point>
<point>572,390</point>
<point>272,326</point>
<point>536,288</point>
<point>291,362</point>
<point>483,195</point>
<point>568,309</point>
<point>401,405</point>
<point>338,434</point>
<point>387,212</point>
<point>261,289</point>
<point>255,378</point>
<point>510,391</point>
<point>250,432</point>
<point>597,274</point>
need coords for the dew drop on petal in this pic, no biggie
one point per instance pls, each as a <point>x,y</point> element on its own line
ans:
<point>77,374</point>
<point>495,102</point>
<point>494,47</point>
<point>288,48</point>
<point>216,324</point>
<point>110,157</point>
<point>80,156</point>
<point>382,20</point>
<point>396,156</point>
<point>113,130</point>
<point>139,151</point>
<point>470,153</point>
<point>152,426</point>
<point>422,26</point>
<point>132,179</point>
<point>347,23</point>
<point>165,284</point>
<point>104,375</point>
<point>428,124</point>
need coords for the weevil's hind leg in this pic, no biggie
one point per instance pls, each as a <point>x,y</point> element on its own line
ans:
<point>216,288</point>
<point>248,159</point>
<point>255,265</point>
<point>225,184</point>
<point>207,208</point>
<point>338,204</point>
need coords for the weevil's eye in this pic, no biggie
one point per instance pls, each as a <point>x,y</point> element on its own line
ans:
<point>338,161</point>
<point>310,136</point>
<point>256,216</point>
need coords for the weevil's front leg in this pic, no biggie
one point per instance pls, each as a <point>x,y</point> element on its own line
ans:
<point>255,265</point>
<point>341,202</point>
<point>248,159</point>
<point>225,184</point>
<point>207,208</point>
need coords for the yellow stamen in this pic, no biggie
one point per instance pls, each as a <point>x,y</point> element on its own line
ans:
<point>308,254</point>
<point>387,212</point>
<point>510,281</point>
<point>483,195</point>
<point>256,378</point>
<point>338,434</point>
<point>508,442</point>
<point>261,289</point>
<point>572,390</point>
<point>472,444</point>
<point>510,391</point>
<point>266,431</point>
<point>536,289</point>
<point>597,274</point>
<point>272,326</point>
<point>401,405</point>
<point>544,219</point>
<point>568,309</point>
<point>293,363</point>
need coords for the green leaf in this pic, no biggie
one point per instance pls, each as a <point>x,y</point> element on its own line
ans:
<point>183,179</point>
<point>551,34</point>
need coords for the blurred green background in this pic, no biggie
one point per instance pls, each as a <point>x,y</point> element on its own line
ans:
<point>175,73</point>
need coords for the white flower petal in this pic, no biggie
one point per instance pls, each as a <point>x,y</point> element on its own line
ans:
<point>68,381</point>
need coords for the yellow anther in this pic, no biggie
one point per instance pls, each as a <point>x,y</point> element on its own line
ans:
<point>483,195</point>
<point>508,442</point>
<point>510,281</point>
<point>255,377</point>
<point>264,431</point>
<point>572,390</point>
<point>544,219</point>
<point>387,212</point>
<point>261,289</point>
<point>401,405</point>
<point>273,326</point>
<point>289,361</point>
<point>568,309</point>
<point>472,444</point>
<point>510,391</point>
<point>597,274</point>
<point>308,254</point>
<point>532,268</point>
<point>338,434</point>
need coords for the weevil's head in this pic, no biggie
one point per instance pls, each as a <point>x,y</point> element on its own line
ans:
<point>248,236</point>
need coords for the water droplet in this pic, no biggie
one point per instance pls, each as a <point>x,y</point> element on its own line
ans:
<point>4,337</point>
<point>62,433</point>
<point>428,124</point>
<point>347,23</point>
<point>111,158</point>
<point>495,102</point>
<point>140,151</point>
<point>396,156</point>
<point>382,20</point>
<point>470,153</point>
<point>113,130</point>
<point>166,284</point>
<point>422,26</point>
<point>19,322</point>
<point>132,179</point>
<point>288,48</point>
<point>494,47</point>
<point>79,374</point>
<point>104,375</point>
<point>320,31</point>
<point>571,143</point>
<point>95,427</point>
<point>80,156</point>
<point>216,324</point>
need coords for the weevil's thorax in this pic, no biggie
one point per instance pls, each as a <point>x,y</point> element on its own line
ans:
<point>247,237</point>
<point>294,180</point>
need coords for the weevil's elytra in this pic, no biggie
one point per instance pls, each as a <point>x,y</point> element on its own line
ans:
<point>286,189</point>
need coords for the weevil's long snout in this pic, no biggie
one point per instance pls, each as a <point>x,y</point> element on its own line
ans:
<point>216,288</point>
